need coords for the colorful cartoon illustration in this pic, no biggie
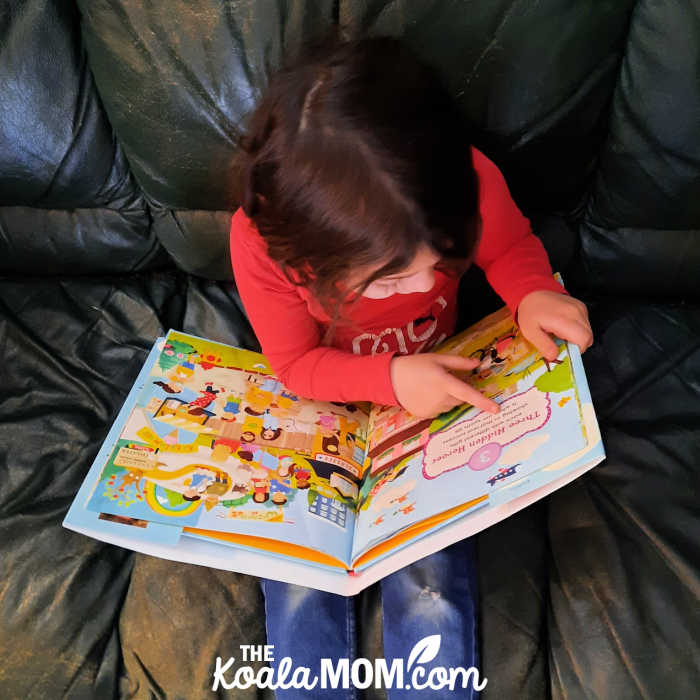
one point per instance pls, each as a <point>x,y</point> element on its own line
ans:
<point>213,436</point>
<point>215,442</point>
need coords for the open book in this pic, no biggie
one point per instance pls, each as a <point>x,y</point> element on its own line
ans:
<point>212,461</point>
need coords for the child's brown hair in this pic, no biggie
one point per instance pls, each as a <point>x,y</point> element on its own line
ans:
<point>355,157</point>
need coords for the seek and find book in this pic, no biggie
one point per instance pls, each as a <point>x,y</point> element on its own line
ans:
<point>212,461</point>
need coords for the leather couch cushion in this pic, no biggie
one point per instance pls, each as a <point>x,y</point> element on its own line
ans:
<point>641,233</point>
<point>177,83</point>
<point>68,203</point>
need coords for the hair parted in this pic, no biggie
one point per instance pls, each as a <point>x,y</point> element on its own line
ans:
<point>357,156</point>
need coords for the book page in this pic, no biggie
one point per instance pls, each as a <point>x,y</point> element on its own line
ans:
<point>215,442</point>
<point>421,468</point>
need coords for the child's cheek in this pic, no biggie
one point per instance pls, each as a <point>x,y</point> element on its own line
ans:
<point>375,291</point>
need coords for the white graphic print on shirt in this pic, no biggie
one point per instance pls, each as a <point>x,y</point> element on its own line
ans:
<point>381,346</point>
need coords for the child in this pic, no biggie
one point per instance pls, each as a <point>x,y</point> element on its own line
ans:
<point>362,204</point>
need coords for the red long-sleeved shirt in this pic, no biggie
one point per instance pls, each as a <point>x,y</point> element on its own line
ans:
<point>290,323</point>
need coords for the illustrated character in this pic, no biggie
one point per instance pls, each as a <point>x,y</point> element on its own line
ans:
<point>198,484</point>
<point>286,467</point>
<point>250,429</point>
<point>302,477</point>
<point>261,489</point>
<point>494,354</point>
<point>280,491</point>
<point>232,408</point>
<point>208,394</point>
<point>271,427</point>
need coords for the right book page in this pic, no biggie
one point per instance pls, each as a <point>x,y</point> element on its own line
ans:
<point>426,472</point>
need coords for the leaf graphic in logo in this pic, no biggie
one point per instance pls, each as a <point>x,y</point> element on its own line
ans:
<point>424,650</point>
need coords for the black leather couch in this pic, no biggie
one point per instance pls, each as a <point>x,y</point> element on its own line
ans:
<point>117,131</point>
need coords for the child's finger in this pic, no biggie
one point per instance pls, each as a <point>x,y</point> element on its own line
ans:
<point>585,336</point>
<point>448,404</point>
<point>544,343</point>
<point>456,361</point>
<point>468,394</point>
<point>573,330</point>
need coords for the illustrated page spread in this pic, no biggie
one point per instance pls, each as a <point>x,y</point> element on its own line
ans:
<point>216,444</point>
<point>467,457</point>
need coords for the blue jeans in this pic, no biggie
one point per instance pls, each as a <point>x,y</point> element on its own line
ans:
<point>435,595</point>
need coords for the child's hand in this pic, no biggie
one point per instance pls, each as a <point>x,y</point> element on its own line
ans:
<point>544,312</point>
<point>424,386</point>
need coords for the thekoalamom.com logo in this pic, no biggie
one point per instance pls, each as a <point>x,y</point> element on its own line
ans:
<point>340,673</point>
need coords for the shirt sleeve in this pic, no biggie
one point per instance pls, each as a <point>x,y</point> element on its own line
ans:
<point>512,257</point>
<point>290,337</point>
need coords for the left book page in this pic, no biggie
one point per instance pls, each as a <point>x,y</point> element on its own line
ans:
<point>214,445</point>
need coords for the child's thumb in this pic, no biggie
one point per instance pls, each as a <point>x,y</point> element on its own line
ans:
<point>456,361</point>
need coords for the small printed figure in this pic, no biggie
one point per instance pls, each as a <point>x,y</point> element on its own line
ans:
<point>493,355</point>
<point>563,401</point>
<point>208,394</point>
<point>302,477</point>
<point>232,408</point>
<point>198,484</point>
<point>285,467</point>
<point>280,491</point>
<point>261,489</point>
<point>250,429</point>
<point>271,427</point>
